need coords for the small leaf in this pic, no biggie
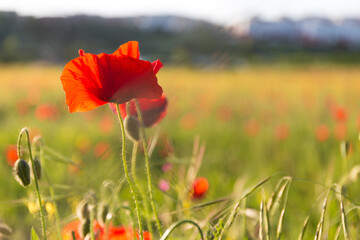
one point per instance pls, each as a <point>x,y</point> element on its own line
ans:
<point>34,235</point>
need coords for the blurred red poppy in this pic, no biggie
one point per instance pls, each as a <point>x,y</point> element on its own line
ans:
<point>282,131</point>
<point>152,110</point>
<point>322,133</point>
<point>200,188</point>
<point>339,113</point>
<point>251,127</point>
<point>11,154</point>
<point>114,233</point>
<point>46,112</point>
<point>90,80</point>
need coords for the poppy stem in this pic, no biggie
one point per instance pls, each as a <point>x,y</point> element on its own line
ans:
<point>24,130</point>
<point>131,185</point>
<point>38,141</point>
<point>147,165</point>
<point>138,186</point>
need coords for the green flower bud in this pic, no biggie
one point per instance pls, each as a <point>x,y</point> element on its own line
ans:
<point>37,166</point>
<point>84,228</point>
<point>21,172</point>
<point>102,213</point>
<point>82,210</point>
<point>5,230</point>
<point>131,125</point>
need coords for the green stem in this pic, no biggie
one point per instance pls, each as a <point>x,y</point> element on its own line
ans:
<point>175,225</point>
<point>138,186</point>
<point>51,189</point>
<point>24,130</point>
<point>147,165</point>
<point>127,172</point>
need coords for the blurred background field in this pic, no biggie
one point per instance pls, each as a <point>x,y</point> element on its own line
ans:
<point>255,121</point>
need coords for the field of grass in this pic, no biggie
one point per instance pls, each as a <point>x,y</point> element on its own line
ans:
<point>282,124</point>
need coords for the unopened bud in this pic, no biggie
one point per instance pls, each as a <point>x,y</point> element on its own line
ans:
<point>345,148</point>
<point>5,230</point>
<point>132,128</point>
<point>84,228</point>
<point>82,210</point>
<point>102,213</point>
<point>37,166</point>
<point>21,172</point>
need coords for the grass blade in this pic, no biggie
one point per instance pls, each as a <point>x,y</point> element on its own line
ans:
<point>301,236</point>
<point>282,213</point>
<point>320,226</point>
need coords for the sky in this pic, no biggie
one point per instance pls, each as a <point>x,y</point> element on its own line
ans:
<point>216,11</point>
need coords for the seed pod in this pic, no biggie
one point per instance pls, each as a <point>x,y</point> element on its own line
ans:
<point>131,125</point>
<point>84,228</point>
<point>37,166</point>
<point>21,172</point>
<point>5,230</point>
<point>82,210</point>
<point>102,213</point>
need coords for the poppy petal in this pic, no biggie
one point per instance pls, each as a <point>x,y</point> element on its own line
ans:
<point>126,78</point>
<point>130,49</point>
<point>157,65</point>
<point>81,83</point>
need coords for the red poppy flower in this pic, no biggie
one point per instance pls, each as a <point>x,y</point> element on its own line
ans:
<point>114,233</point>
<point>152,110</point>
<point>340,114</point>
<point>11,154</point>
<point>200,188</point>
<point>90,80</point>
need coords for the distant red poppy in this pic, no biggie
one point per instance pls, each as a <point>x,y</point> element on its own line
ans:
<point>200,188</point>
<point>340,113</point>
<point>114,233</point>
<point>251,127</point>
<point>90,80</point>
<point>282,131</point>
<point>322,133</point>
<point>340,131</point>
<point>46,112</point>
<point>152,110</point>
<point>11,154</point>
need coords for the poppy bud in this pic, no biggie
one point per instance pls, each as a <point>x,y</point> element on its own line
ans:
<point>102,213</point>
<point>345,148</point>
<point>21,172</point>
<point>5,230</point>
<point>37,166</point>
<point>84,227</point>
<point>132,128</point>
<point>82,210</point>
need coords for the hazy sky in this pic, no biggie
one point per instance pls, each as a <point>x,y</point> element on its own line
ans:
<point>218,11</point>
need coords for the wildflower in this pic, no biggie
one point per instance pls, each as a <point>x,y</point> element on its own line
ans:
<point>114,233</point>
<point>152,110</point>
<point>340,130</point>
<point>322,133</point>
<point>50,209</point>
<point>164,185</point>
<point>90,80</point>
<point>11,154</point>
<point>339,114</point>
<point>200,188</point>
<point>166,167</point>
<point>251,128</point>
<point>131,125</point>
<point>282,131</point>
<point>46,112</point>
